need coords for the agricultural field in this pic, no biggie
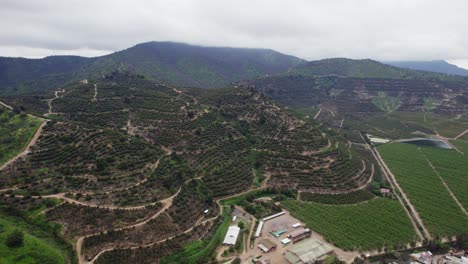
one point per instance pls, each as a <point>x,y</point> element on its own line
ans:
<point>16,130</point>
<point>149,159</point>
<point>375,224</point>
<point>452,167</point>
<point>461,145</point>
<point>438,210</point>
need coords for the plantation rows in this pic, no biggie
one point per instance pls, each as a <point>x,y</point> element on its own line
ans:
<point>187,208</point>
<point>348,198</point>
<point>452,167</point>
<point>79,220</point>
<point>377,224</point>
<point>438,210</point>
<point>154,253</point>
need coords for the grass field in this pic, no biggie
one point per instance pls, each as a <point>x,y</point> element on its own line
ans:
<point>438,210</point>
<point>38,246</point>
<point>364,226</point>
<point>16,130</point>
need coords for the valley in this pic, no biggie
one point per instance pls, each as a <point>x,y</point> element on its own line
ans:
<point>127,165</point>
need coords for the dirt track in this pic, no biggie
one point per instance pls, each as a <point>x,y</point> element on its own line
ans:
<point>26,149</point>
<point>414,216</point>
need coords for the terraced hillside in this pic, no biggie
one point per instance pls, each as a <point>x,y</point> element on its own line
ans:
<point>365,103</point>
<point>126,143</point>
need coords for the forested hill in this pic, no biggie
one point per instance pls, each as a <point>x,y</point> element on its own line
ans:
<point>174,63</point>
<point>433,66</point>
<point>363,69</point>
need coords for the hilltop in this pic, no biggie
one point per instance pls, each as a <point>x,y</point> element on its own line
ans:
<point>175,63</point>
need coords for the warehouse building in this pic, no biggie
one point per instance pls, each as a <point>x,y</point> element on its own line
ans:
<point>308,252</point>
<point>231,235</point>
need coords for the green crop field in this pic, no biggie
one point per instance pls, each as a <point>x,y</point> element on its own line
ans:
<point>461,145</point>
<point>438,210</point>
<point>38,246</point>
<point>452,167</point>
<point>16,130</point>
<point>365,226</point>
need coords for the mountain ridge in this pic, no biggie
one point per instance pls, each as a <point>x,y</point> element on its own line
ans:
<point>176,63</point>
<point>440,66</point>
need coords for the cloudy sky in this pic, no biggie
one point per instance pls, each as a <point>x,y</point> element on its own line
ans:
<point>310,29</point>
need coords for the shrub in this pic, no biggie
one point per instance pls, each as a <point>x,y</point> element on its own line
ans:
<point>15,239</point>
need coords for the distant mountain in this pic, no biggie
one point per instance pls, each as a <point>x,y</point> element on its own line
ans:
<point>360,69</point>
<point>440,66</point>
<point>169,62</point>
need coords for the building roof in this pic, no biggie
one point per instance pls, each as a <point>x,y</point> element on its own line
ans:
<point>259,229</point>
<point>285,241</point>
<point>273,216</point>
<point>307,251</point>
<point>231,235</point>
<point>299,232</point>
<point>267,243</point>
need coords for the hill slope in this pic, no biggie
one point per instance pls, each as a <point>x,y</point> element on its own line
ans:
<point>124,141</point>
<point>361,69</point>
<point>440,66</point>
<point>174,63</point>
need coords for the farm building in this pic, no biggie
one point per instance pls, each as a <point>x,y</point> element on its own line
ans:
<point>384,191</point>
<point>296,225</point>
<point>307,252</point>
<point>263,261</point>
<point>231,235</point>
<point>300,234</point>
<point>278,233</point>
<point>422,257</point>
<point>259,229</point>
<point>273,216</point>
<point>266,245</point>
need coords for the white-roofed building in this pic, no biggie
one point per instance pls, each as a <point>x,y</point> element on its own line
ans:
<point>231,235</point>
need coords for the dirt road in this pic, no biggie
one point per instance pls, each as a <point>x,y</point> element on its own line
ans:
<point>446,186</point>
<point>461,134</point>
<point>27,148</point>
<point>413,215</point>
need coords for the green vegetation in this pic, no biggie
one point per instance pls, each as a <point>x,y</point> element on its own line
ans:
<point>452,167</point>
<point>175,63</point>
<point>429,104</point>
<point>438,210</point>
<point>37,246</point>
<point>16,130</point>
<point>348,198</point>
<point>375,224</point>
<point>386,103</point>
<point>363,69</point>
<point>201,251</point>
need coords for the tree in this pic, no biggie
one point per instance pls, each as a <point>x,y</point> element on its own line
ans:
<point>15,239</point>
<point>236,261</point>
<point>241,225</point>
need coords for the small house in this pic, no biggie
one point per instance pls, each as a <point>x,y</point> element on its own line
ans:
<point>266,245</point>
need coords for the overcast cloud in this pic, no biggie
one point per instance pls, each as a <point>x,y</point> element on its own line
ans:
<point>377,29</point>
